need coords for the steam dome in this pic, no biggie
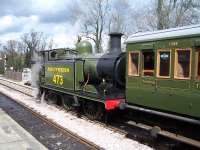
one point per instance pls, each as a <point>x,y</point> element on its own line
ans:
<point>84,47</point>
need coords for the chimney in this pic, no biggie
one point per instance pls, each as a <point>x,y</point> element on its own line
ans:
<point>115,42</point>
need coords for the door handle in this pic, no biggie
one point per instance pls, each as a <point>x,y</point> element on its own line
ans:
<point>148,82</point>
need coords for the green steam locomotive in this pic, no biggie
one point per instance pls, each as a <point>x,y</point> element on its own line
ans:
<point>159,73</point>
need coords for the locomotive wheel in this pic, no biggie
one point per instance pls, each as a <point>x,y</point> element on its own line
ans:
<point>50,98</point>
<point>46,95</point>
<point>93,110</point>
<point>67,102</point>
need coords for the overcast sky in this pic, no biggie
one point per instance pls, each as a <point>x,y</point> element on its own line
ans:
<point>48,16</point>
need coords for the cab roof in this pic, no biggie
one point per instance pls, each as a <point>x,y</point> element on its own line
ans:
<point>186,31</point>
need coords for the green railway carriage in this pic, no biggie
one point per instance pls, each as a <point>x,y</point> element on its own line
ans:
<point>163,72</point>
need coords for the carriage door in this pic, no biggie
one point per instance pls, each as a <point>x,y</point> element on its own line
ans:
<point>182,68</point>
<point>148,71</point>
<point>197,70</point>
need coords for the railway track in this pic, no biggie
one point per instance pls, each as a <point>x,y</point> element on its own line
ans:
<point>152,131</point>
<point>29,91</point>
<point>18,87</point>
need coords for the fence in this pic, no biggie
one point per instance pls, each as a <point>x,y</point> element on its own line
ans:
<point>13,75</point>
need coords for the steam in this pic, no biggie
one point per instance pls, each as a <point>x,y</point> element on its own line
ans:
<point>42,98</point>
<point>35,69</point>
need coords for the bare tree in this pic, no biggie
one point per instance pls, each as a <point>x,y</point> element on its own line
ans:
<point>119,16</point>
<point>93,18</point>
<point>11,51</point>
<point>160,24</point>
<point>100,17</point>
<point>173,13</point>
<point>14,55</point>
<point>34,42</point>
<point>50,44</point>
<point>1,45</point>
<point>164,14</point>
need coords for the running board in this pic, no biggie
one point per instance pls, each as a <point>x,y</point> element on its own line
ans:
<point>190,120</point>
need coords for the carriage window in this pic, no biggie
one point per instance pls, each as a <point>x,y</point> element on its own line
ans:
<point>133,64</point>
<point>182,64</point>
<point>198,65</point>
<point>163,61</point>
<point>148,63</point>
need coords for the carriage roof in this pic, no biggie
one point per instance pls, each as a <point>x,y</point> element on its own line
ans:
<point>186,31</point>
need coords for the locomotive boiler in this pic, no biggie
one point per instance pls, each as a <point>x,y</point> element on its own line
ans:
<point>107,69</point>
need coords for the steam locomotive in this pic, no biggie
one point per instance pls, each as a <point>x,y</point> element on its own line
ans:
<point>80,78</point>
<point>158,73</point>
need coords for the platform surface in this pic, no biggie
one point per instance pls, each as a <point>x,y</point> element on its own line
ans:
<point>14,137</point>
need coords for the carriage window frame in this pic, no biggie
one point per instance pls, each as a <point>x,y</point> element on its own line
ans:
<point>130,64</point>
<point>176,63</point>
<point>153,71</point>
<point>158,63</point>
<point>197,57</point>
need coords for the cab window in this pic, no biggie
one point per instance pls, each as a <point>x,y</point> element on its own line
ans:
<point>163,63</point>
<point>52,55</point>
<point>197,68</point>
<point>182,64</point>
<point>148,63</point>
<point>133,69</point>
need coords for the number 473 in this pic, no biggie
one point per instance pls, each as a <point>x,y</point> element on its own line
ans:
<point>58,79</point>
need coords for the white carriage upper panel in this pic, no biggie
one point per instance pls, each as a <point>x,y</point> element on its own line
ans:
<point>193,30</point>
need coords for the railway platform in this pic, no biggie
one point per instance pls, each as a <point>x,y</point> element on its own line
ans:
<point>13,136</point>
